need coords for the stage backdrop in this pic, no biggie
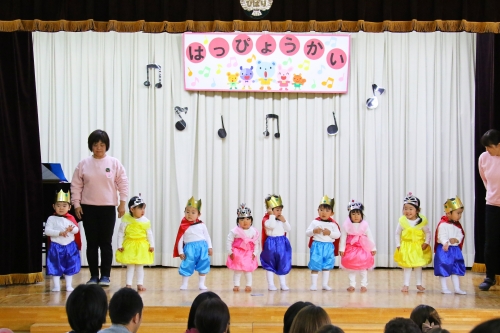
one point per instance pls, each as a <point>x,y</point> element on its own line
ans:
<point>268,62</point>
<point>419,139</point>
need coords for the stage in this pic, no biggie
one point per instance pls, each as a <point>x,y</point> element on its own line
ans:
<point>35,308</point>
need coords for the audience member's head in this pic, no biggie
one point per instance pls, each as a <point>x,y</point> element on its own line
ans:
<point>401,325</point>
<point>212,316</point>
<point>290,314</point>
<point>125,308</point>
<point>86,308</point>
<point>426,317</point>
<point>438,329</point>
<point>330,329</point>
<point>309,319</point>
<point>490,326</point>
<point>196,303</point>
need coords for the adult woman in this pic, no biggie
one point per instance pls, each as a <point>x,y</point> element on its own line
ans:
<point>94,187</point>
<point>86,309</point>
<point>309,320</point>
<point>489,169</point>
<point>212,316</point>
<point>196,303</point>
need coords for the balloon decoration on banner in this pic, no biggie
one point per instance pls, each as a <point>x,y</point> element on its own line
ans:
<point>256,9</point>
<point>222,131</point>
<point>273,116</point>
<point>153,66</point>
<point>372,102</point>
<point>333,129</point>
<point>181,124</point>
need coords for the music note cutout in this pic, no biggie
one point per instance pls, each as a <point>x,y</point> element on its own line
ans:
<point>288,61</point>
<point>190,73</point>
<point>219,66</point>
<point>325,83</point>
<point>232,62</point>
<point>213,83</point>
<point>342,78</point>
<point>320,71</point>
<point>313,85</point>
<point>249,60</point>
<point>196,80</point>
<point>332,42</point>
<point>205,71</point>
<point>305,65</point>
<point>205,41</point>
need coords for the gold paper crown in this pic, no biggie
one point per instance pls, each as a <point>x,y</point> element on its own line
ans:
<point>63,196</point>
<point>274,201</point>
<point>327,201</point>
<point>194,203</point>
<point>452,204</point>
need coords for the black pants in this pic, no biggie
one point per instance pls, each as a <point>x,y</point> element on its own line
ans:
<point>492,241</point>
<point>99,224</point>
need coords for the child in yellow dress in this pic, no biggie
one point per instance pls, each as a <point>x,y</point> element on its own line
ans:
<point>136,242</point>
<point>413,237</point>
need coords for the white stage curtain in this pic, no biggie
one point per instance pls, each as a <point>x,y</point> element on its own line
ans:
<point>420,138</point>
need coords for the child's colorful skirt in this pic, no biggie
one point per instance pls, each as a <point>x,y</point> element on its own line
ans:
<point>243,256</point>
<point>449,262</point>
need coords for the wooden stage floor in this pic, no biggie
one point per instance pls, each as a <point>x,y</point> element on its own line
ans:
<point>35,309</point>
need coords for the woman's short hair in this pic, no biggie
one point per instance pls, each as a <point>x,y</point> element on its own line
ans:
<point>86,308</point>
<point>290,314</point>
<point>330,329</point>
<point>196,303</point>
<point>212,316</point>
<point>96,136</point>
<point>490,326</point>
<point>422,313</point>
<point>124,305</point>
<point>491,137</point>
<point>309,319</point>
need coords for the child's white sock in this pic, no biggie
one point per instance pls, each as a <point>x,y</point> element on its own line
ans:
<point>352,278</point>
<point>314,281</point>
<point>130,274</point>
<point>270,281</point>
<point>140,274</point>
<point>69,280</point>
<point>184,284</point>
<point>283,283</point>
<point>364,278</point>
<point>444,285</point>
<point>407,275</point>
<point>201,283</point>
<point>326,277</point>
<point>456,285</point>
<point>57,283</point>
<point>418,275</point>
<point>236,278</point>
<point>248,277</point>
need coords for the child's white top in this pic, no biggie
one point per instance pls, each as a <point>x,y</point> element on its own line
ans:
<point>149,232</point>
<point>56,224</point>
<point>250,233</point>
<point>275,227</point>
<point>413,223</point>
<point>194,233</point>
<point>447,231</point>
<point>356,226</point>
<point>334,231</point>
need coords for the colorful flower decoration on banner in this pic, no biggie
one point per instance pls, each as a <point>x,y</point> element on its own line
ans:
<point>256,9</point>
<point>372,102</point>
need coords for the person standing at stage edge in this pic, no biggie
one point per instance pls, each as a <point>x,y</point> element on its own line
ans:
<point>489,169</point>
<point>94,187</point>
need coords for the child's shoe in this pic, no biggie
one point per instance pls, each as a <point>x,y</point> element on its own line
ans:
<point>272,287</point>
<point>69,288</point>
<point>445,291</point>
<point>201,283</point>
<point>184,284</point>
<point>313,287</point>
<point>460,292</point>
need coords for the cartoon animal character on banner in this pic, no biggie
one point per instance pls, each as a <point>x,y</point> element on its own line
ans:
<point>246,75</point>
<point>266,71</point>
<point>298,81</point>
<point>232,80</point>
<point>284,77</point>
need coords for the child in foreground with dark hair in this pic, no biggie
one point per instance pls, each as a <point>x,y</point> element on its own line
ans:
<point>86,308</point>
<point>135,242</point>
<point>194,306</point>
<point>125,312</point>
<point>426,317</point>
<point>242,245</point>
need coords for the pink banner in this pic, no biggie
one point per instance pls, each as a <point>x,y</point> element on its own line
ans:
<point>267,62</point>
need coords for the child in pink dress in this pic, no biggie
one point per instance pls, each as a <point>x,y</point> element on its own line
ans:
<point>242,245</point>
<point>357,247</point>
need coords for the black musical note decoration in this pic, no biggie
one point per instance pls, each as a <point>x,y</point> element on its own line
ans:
<point>181,124</point>
<point>333,129</point>
<point>222,131</point>
<point>272,116</point>
<point>153,66</point>
<point>372,102</point>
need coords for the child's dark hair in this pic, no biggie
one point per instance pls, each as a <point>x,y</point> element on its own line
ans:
<point>124,305</point>
<point>422,313</point>
<point>330,329</point>
<point>132,202</point>
<point>490,326</point>
<point>357,211</point>
<point>96,136</point>
<point>86,308</point>
<point>490,138</point>
<point>246,217</point>
<point>291,312</point>
<point>325,206</point>
<point>196,303</point>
